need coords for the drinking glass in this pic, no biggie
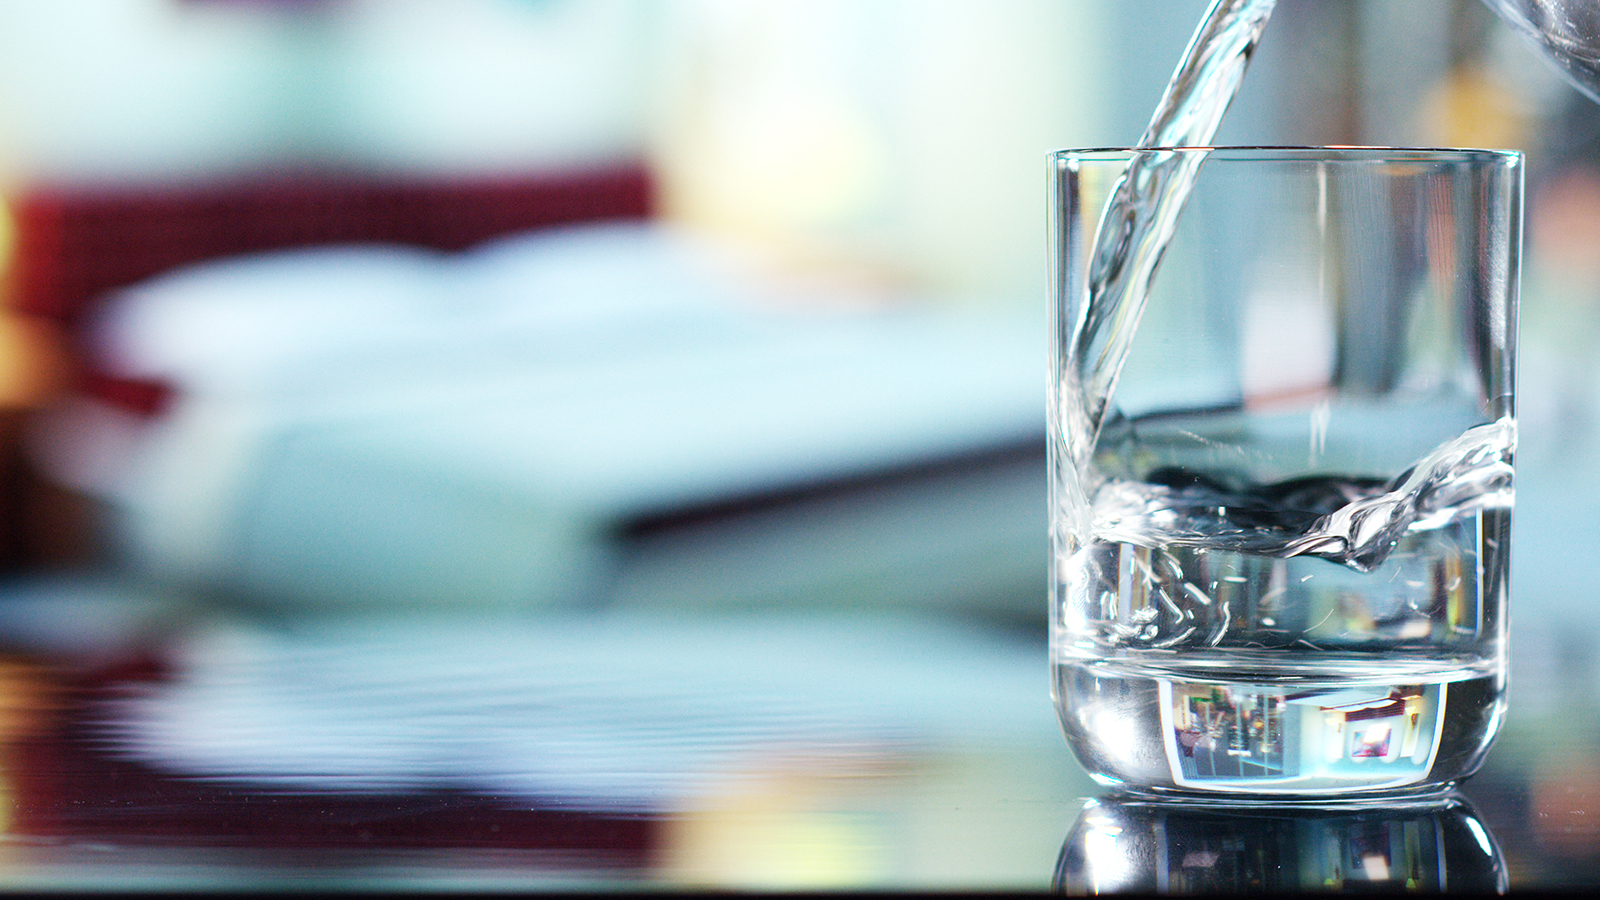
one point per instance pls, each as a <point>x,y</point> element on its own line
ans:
<point>1280,554</point>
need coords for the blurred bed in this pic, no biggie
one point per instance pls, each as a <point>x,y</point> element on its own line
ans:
<point>376,393</point>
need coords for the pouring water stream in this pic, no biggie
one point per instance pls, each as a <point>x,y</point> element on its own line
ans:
<point>1144,208</point>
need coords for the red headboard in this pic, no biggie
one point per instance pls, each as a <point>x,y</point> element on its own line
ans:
<point>74,244</point>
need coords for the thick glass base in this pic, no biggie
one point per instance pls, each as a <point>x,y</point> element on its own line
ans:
<point>1340,732</point>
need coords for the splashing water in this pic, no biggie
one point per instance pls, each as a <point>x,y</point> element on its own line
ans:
<point>1351,521</point>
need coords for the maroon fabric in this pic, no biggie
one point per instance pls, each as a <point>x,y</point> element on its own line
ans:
<point>75,244</point>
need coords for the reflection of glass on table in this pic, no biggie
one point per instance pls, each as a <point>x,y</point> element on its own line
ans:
<point>1124,844</point>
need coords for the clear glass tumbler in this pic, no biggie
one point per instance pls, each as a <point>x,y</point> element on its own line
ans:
<point>1281,485</point>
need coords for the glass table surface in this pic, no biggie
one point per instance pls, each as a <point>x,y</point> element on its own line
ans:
<point>151,745</point>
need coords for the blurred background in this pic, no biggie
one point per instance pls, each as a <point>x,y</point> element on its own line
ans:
<point>645,311</point>
<point>837,206</point>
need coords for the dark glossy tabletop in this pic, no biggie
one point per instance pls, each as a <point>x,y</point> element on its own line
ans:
<point>163,746</point>
<point>768,749</point>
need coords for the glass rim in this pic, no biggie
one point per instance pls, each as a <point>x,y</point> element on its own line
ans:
<point>1328,153</point>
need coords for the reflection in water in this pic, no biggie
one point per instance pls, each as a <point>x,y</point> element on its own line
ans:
<point>1187,846</point>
